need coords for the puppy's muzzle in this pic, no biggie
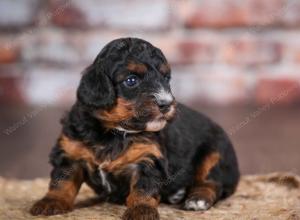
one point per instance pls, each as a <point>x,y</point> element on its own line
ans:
<point>164,100</point>
<point>164,105</point>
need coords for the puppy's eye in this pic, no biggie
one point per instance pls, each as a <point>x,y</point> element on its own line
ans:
<point>131,81</point>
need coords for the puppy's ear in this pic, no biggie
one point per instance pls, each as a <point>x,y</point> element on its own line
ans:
<point>95,89</point>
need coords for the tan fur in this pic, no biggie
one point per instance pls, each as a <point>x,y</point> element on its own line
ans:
<point>164,68</point>
<point>209,162</point>
<point>137,67</point>
<point>76,150</point>
<point>169,115</point>
<point>123,110</point>
<point>137,152</point>
<point>66,191</point>
<point>206,190</point>
<point>138,198</point>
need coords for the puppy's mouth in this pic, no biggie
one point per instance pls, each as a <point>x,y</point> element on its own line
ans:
<point>157,122</point>
<point>156,125</point>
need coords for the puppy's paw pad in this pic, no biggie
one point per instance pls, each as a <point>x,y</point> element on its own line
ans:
<point>196,205</point>
<point>48,206</point>
<point>141,212</point>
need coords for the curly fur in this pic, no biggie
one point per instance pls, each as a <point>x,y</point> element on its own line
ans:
<point>137,145</point>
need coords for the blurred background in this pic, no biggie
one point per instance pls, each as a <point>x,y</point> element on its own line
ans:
<point>234,60</point>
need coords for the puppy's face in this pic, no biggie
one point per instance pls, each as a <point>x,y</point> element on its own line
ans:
<point>143,95</point>
<point>130,80</point>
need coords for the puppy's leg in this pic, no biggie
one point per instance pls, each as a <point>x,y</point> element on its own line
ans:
<point>144,197</point>
<point>204,193</point>
<point>63,188</point>
<point>202,196</point>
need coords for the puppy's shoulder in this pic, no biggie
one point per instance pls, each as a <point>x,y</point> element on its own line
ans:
<point>187,115</point>
<point>192,124</point>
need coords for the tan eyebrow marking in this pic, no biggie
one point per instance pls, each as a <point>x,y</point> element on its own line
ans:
<point>164,68</point>
<point>136,67</point>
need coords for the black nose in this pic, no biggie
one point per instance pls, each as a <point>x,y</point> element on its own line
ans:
<point>164,106</point>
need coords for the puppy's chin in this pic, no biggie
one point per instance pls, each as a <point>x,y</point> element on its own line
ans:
<point>155,125</point>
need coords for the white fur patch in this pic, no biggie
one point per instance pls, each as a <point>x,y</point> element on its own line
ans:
<point>119,128</point>
<point>155,125</point>
<point>104,180</point>
<point>196,205</point>
<point>164,96</point>
<point>177,197</point>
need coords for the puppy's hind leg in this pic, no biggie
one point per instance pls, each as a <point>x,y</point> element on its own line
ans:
<point>204,192</point>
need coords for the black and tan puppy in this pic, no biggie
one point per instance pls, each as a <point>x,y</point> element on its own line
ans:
<point>129,140</point>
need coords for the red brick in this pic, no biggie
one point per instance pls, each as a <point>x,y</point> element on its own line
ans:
<point>283,91</point>
<point>232,13</point>
<point>182,50</point>
<point>218,86</point>
<point>65,48</point>
<point>251,52</point>
<point>10,89</point>
<point>64,13</point>
<point>190,52</point>
<point>9,54</point>
<point>206,16</point>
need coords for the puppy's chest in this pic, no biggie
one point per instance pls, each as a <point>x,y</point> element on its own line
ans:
<point>108,176</point>
<point>105,168</point>
<point>106,159</point>
<point>114,158</point>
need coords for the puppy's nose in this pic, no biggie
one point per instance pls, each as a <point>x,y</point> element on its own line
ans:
<point>164,105</point>
<point>164,100</point>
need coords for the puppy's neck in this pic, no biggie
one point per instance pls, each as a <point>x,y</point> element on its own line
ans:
<point>124,131</point>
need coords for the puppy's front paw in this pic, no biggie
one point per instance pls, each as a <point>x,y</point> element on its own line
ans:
<point>50,206</point>
<point>141,212</point>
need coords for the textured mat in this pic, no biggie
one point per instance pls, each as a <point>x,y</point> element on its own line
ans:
<point>272,196</point>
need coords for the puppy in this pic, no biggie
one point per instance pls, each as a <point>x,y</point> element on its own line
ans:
<point>128,139</point>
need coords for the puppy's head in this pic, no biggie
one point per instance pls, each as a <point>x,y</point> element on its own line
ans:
<point>127,87</point>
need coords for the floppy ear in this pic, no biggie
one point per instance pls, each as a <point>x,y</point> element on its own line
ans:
<point>95,89</point>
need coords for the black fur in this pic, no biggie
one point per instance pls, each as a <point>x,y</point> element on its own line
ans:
<point>187,139</point>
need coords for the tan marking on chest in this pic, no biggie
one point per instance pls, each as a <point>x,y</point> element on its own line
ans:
<point>136,153</point>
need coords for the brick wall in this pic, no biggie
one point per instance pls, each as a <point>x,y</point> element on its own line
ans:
<point>222,52</point>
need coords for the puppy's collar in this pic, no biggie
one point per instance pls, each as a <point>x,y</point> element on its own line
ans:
<point>124,132</point>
